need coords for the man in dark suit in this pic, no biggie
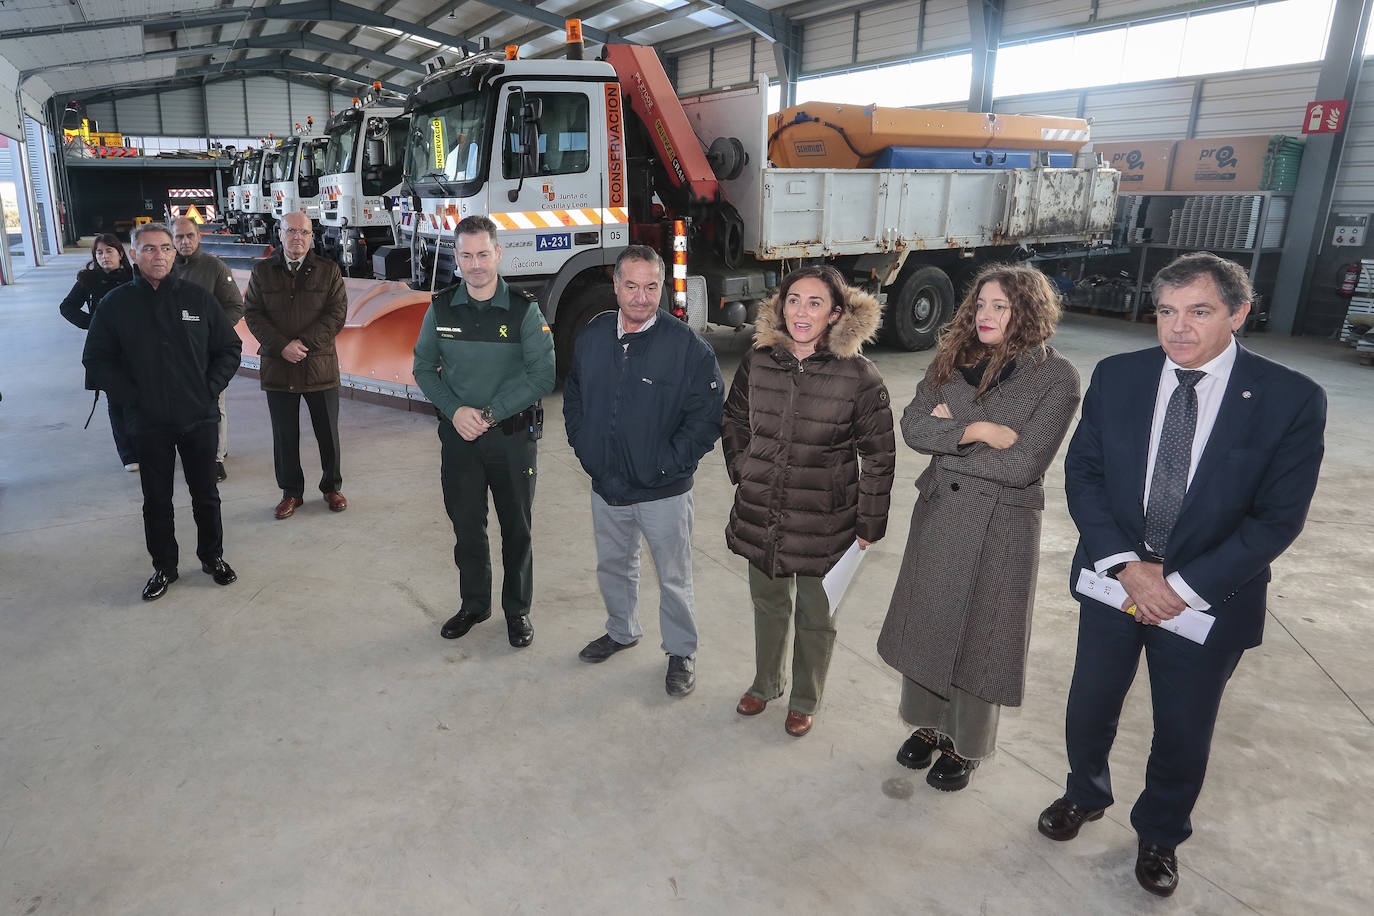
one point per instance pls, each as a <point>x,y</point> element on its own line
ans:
<point>1191,471</point>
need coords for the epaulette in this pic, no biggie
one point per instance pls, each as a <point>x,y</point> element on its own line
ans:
<point>524,292</point>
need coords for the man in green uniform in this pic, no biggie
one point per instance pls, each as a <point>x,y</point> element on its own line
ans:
<point>484,358</point>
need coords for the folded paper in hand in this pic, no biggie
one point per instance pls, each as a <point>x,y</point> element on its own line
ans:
<point>836,582</point>
<point>1191,624</point>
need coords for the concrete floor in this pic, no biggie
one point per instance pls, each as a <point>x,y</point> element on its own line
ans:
<point>304,742</point>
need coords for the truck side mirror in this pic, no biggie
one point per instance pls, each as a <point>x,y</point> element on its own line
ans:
<point>531,113</point>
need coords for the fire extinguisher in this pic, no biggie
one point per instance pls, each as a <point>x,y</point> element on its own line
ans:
<point>1350,278</point>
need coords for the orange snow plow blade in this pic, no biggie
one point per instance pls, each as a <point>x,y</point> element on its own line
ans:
<point>376,345</point>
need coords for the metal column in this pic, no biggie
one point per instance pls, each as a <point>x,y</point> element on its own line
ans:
<point>1320,161</point>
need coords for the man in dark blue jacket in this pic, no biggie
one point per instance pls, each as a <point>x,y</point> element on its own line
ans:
<point>1191,471</point>
<point>163,349</point>
<point>642,405</point>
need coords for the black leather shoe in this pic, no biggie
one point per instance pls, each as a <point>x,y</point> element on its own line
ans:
<point>221,571</point>
<point>919,750</point>
<point>157,585</point>
<point>520,631</point>
<point>221,475</point>
<point>682,676</point>
<point>1062,819</point>
<point>951,772</point>
<point>1156,868</point>
<point>602,648</point>
<point>459,624</point>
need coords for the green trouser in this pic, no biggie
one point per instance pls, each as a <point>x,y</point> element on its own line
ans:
<point>811,649</point>
<point>504,464</point>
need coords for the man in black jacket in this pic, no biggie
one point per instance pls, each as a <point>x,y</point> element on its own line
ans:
<point>642,405</point>
<point>163,348</point>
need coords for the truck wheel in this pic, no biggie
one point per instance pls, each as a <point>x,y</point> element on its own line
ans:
<point>573,316</point>
<point>923,304</point>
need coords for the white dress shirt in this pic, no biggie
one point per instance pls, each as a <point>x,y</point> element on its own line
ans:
<point>1210,389</point>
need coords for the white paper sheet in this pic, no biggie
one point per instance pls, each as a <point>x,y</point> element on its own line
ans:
<point>836,582</point>
<point>1191,624</point>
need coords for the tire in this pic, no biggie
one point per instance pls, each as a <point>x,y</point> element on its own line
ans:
<point>572,317</point>
<point>924,303</point>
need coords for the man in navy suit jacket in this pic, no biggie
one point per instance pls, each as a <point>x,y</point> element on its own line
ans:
<point>1251,463</point>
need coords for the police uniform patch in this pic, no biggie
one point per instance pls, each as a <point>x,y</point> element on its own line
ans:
<point>504,331</point>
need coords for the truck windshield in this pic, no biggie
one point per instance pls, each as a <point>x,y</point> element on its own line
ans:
<point>338,158</point>
<point>284,169</point>
<point>269,168</point>
<point>250,168</point>
<point>446,155</point>
<point>236,173</point>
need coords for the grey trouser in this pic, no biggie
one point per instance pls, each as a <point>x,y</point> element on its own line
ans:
<point>222,448</point>
<point>969,722</point>
<point>666,524</point>
<point>811,649</point>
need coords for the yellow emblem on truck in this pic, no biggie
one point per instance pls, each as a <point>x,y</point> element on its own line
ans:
<point>437,125</point>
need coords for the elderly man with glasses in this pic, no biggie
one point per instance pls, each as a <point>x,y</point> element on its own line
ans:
<point>295,307</point>
<point>163,349</point>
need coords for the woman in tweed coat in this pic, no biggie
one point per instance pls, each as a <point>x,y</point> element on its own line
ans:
<point>992,411</point>
<point>804,407</point>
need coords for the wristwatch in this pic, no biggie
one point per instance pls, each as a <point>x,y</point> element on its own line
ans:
<point>487,416</point>
<point>1114,571</point>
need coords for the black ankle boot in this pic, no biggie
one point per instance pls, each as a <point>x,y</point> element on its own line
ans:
<point>951,772</point>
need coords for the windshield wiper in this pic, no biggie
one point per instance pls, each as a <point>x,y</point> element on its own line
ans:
<point>438,178</point>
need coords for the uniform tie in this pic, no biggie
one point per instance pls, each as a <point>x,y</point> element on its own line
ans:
<point>293,266</point>
<point>1172,461</point>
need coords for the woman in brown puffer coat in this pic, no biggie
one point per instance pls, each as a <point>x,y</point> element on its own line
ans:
<point>804,408</point>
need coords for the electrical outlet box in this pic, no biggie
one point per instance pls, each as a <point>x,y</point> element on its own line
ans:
<point>1350,229</point>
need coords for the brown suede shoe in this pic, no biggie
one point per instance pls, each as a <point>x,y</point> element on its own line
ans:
<point>750,705</point>
<point>288,506</point>
<point>336,501</point>
<point>798,723</point>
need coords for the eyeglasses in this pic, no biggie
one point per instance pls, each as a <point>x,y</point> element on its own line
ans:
<point>154,249</point>
<point>300,232</point>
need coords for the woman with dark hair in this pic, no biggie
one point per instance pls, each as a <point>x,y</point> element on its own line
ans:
<point>804,408</point>
<point>992,411</point>
<point>108,268</point>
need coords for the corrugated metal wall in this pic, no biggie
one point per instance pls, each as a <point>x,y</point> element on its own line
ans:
<point>183,114</point>
<point>1355,180</point>
<point>1256,102</point>
<point>269,106</point>
<point>1153,111</point>
<point>731,64</point>
<point>694,72</point>
<point>1036,17</point>
<point>889,32</point>
<point>273,106</point>
<point>138,115</point>
<point>309,102</point>
<point>828,43</point>
<point>226,112</point>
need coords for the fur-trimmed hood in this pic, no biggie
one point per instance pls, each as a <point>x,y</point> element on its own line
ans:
<point>857,325</point>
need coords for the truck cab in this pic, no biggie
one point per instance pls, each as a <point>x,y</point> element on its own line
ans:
<point>295,186</point>
<point>257,222</point>
<point>526,143</point>
<point>362,165</point>
<point>233,194</point>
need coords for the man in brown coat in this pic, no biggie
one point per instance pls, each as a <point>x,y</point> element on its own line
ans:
<point>295,306</point>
